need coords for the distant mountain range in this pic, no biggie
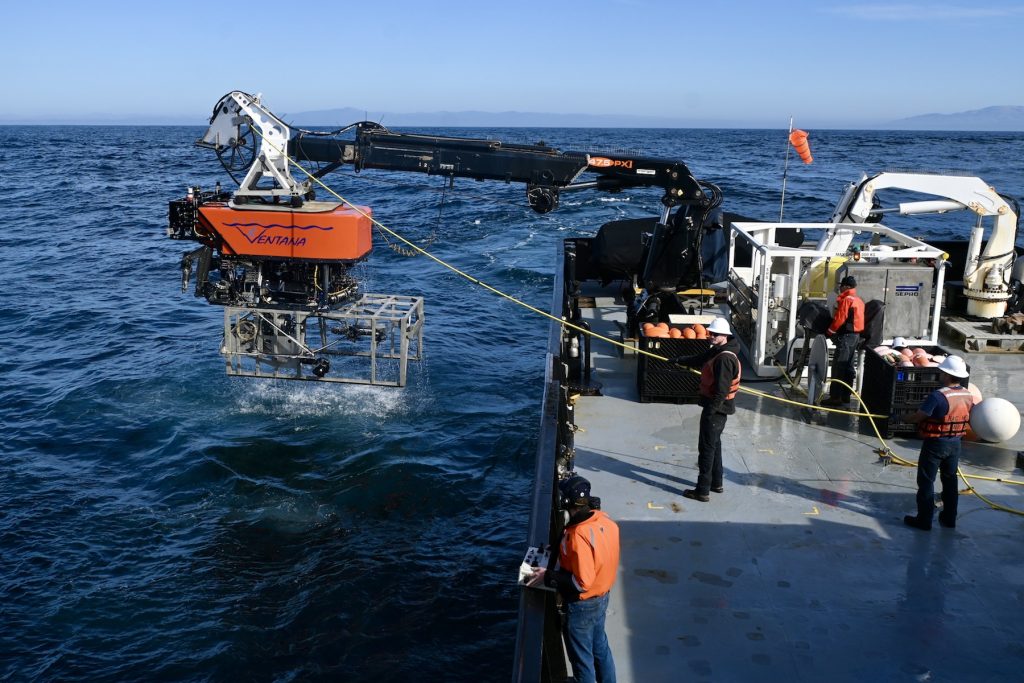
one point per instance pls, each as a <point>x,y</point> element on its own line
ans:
<point>1002,118</point>
<point>999,118</point>
<point>990,118</point>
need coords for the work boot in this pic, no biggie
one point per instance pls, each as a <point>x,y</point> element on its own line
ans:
<point>833,402</point>
<point>693,495</point>
<point>912,520</point>
<point>944,521</point>
<point>718,489</point>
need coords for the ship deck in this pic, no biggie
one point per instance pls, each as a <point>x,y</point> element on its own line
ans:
<point>802,570</point>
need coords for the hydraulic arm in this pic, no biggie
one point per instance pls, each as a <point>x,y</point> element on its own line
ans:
<point>987,271</point>
<point>544,170</point>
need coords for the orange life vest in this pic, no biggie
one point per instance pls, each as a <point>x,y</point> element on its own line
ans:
<point>707,377</point>
<point>955,421</point>
<point>590,551</point>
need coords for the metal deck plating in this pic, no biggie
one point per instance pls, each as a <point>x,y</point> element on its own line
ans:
<point>802,570</point>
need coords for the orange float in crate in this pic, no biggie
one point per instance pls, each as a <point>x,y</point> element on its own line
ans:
<point>675,333</point>
<point>688,333</point>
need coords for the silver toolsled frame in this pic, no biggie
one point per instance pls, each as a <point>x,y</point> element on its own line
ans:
<point>369,341</point>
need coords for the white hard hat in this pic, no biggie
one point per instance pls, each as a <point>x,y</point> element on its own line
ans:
<point>899,343</point>
<point>954,365</point>
<point>720,326</point>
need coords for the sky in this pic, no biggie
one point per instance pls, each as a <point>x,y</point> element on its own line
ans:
<point>738,61</point>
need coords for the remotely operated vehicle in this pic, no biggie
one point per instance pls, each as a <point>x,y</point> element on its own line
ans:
<point>280,261</point>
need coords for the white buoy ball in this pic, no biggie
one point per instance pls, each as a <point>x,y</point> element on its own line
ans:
<point>995,420</point>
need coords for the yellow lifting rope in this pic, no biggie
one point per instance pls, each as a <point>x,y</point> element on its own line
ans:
<point>885,452</point>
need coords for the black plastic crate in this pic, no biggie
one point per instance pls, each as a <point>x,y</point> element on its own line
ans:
<point>664,382</point>
<point>895,390</point>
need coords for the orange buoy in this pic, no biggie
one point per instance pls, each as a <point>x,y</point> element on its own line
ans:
<point>798,138</point>
<point>688,333</point>
<point>674,333</point>
<point>662,326</point>
<point>700,331</point>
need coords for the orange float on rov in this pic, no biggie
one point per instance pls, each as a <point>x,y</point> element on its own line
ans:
<point>798,138</point>
<point>319,231</point>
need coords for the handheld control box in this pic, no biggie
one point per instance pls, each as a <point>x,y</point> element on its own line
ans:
<point>536,558</point>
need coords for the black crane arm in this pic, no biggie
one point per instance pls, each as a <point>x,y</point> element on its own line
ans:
<point>545,170</point>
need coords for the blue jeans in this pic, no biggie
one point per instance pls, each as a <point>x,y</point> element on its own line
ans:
<point>586,641</point>
<point>942,456</point>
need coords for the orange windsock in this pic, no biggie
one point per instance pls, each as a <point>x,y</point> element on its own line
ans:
<point>798,138</point>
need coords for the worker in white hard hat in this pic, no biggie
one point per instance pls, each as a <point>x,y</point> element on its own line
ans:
<point>719,382</point>
<point>942,420</point>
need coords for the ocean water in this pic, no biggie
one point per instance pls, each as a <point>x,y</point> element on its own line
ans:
<point>161,521</point>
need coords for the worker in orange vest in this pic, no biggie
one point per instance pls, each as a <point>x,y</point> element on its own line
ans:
<point>588,561</point>
<point>719,382</point>
<point>941,421</point>
<point>847,324</point>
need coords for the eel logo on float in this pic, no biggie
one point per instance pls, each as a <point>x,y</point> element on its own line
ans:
<point>258,233</point>
<point>605,162</point>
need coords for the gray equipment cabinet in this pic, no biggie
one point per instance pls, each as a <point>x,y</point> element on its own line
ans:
<point>905,289</point>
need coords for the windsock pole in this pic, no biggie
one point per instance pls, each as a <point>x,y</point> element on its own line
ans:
<point>785,170</point>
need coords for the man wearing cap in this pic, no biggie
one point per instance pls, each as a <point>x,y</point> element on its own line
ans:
<point>719,382</point>
<point>588,560</point>
<point>847,324</point>
<point>941,421</point>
